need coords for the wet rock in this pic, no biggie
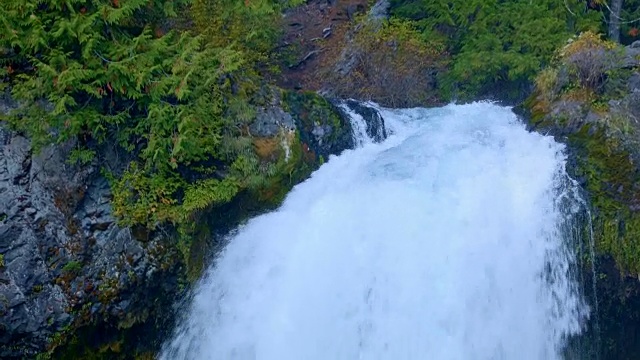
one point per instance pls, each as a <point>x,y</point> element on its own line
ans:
<point>321,124</point>
<point>375,123</point>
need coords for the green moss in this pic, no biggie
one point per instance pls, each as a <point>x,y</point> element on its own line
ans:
<point>94,337</point>
<point>602,160</point>
<point>611,181</point>
<point>72,268</point>
<point>312,109</point>
<point>198,251</point>
<point>89,344</point>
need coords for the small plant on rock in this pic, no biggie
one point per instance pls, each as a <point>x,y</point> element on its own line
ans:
<point>72,268</point>
<point>589,58</point>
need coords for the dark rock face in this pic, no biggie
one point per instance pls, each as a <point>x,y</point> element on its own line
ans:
<point>66,262</point>
<point>375,123</point>
<point>619,330</point>
<point>31,227</point>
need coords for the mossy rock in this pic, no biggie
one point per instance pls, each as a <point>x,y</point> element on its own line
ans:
<point>321,125</point>
<point>594,120</point>
<point>601,159</point>
<point>321,130</point>
<point>612,181</point>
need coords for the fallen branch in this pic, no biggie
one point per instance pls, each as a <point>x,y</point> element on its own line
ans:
<point>304,59</point>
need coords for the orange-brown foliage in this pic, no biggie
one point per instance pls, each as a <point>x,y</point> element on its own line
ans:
<point>388,63</point>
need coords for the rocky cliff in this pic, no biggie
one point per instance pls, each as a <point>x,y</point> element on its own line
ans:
<point>66,263</point>
<point>74,284</point>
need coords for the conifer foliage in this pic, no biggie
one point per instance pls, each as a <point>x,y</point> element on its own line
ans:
<point>119,71</point>
<point>498,41</point>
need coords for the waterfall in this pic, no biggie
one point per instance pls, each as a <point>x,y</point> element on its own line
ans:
<point>454,238</point>
<point>358,127</point>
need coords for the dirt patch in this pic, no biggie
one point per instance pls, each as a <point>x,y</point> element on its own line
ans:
<point>313,34</point>
<point>330,47</point>
<point>267,148</point>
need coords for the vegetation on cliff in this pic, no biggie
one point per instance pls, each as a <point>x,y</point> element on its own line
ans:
<point>175,84</point>
<point>389,62</point>
<point>180,91</point>
<point>498,47</point>
<point>588,98</point>
<point>178,85</point>
<point>585,97</point>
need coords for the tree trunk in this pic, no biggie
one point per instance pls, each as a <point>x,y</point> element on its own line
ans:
<point>614,20</point>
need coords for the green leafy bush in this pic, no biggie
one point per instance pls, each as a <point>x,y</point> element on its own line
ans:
<point>585,69</point>
<point>72,268</point>
<point>496,42</point>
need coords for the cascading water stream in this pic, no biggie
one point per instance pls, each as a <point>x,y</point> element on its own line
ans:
<point>452,239</point>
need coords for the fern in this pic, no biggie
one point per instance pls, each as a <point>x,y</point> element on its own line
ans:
<point>180,100</point>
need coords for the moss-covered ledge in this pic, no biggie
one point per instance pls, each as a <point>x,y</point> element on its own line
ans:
<point>590,100</point>
<point>319,129</point>
<point>586,101</point>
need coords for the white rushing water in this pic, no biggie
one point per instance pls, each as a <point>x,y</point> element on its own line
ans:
<point>446,241</point>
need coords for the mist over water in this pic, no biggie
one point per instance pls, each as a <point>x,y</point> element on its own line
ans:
<point>452,239</point>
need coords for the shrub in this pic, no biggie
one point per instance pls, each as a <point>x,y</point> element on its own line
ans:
<point>392,64</point>
<point>72,268</point>
<point>546,83</point>
<point>589,58</point>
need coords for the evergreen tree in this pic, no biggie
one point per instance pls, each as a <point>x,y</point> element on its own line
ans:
<point>497,41</point>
